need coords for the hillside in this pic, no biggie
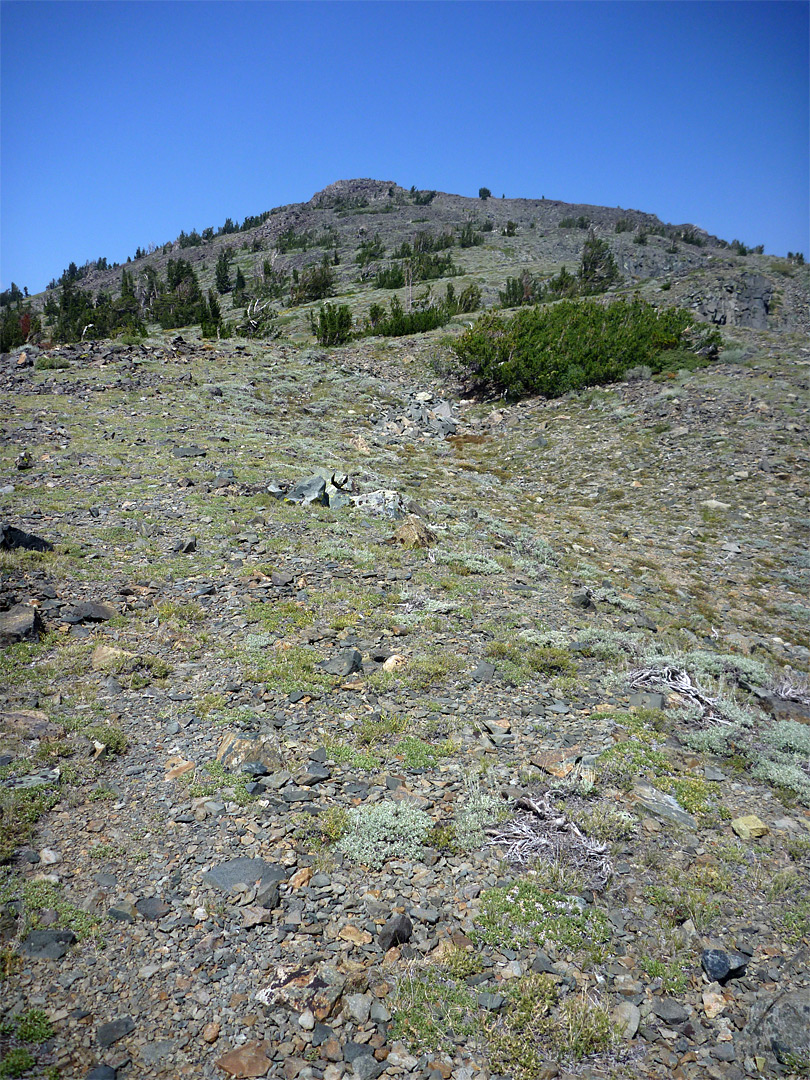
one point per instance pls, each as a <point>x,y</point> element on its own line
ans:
<point>354,725</point>
<point>726,283</point>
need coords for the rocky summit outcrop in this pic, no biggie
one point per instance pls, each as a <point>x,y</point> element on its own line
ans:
<point>351,726</point>
<point>742,302</point>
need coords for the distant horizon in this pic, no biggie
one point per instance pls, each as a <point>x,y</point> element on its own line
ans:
<point>178,116</point>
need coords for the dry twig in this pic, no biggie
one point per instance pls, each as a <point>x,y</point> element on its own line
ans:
<point>542,831</point>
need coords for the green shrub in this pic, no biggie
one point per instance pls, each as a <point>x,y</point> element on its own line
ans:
<point>399,322</point>
<point>580,222</point>
<point>526,914</point>
<point>17,1062</point>
<point>50,363</point>
<point>571,345</point>
<point>316,282</point>
<point>598,269</point>
<point>333,325</point>
<point>390,277</point>
<point>525,289</point>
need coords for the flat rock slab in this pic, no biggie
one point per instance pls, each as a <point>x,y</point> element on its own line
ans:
<point>780,1026</point>
<point>307,492</point>
<point>663,806</point>
<point>29,724</point>
<point>19,623</point>
<point>247,1061</point>
<point>44,778</point>
<point>48,944</point>
<point>107,1034</point>
<point>244,871</point>
<point>152,908</point>
<point>188,451</point>
<point>484,672</point>
<point>95,611</point>
<point>237,748</point>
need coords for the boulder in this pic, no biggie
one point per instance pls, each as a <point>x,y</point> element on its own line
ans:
<point>11,538</point>
<point>19,623</point>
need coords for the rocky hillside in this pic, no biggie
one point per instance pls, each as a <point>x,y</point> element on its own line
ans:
<point>351,726</point>
<point>512,237</point>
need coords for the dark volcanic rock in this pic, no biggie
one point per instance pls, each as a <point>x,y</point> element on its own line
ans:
<point>396,931</point>
<point>781,1026</point>
<point>306,492</point>
<point>345,663</point>
<point>107,1034</point>
<point>721,966</point>
<point>48,944</point>
<point>246,871</point>
<point>670,1011</point>
<point>19,623</point>
<point>188,451</point>
<point>11,538</point>
<point>95,611</point>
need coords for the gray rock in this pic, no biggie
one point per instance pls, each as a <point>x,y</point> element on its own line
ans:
<point>337,500</point>
<point>20,623</point>
<point>152,908</point>
<point>484,672</point>
<point>153,1053</point>
<point>357,1007</point>
<point>123,911</point>
<point>95,611</point>
<point>188,451</point>
<point>246,871</point>
<point>352,1051</point>
<point>396,931</point>
<point>670,1011</point>
<point>366,1067</point>
<point>48,944</point>
<point>315,773</point>
<point>345,663</point>
<point>491,1002</point>
<point>102,1072</point>
<point>385,503</point>
<point>628,1017</point>
<point>107,1034</point>
<point>781,1026</point>
<point>663,806</point>
<point>721,966</point>
<point>307,492</point>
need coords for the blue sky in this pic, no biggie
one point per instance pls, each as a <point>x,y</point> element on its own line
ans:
<point>123,123</point>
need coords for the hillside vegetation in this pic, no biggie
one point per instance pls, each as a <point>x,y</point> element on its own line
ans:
<point>412,681</point>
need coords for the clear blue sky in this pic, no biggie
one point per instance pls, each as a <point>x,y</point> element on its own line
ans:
<point>123,123</point>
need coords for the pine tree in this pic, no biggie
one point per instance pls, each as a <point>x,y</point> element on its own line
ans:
<point>597,270</point>
<point>222,274</point>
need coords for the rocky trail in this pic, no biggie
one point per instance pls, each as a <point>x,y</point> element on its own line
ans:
<point>352,727</point>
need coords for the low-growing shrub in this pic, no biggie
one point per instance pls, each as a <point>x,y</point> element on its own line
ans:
<point>573,344</point>
<point>478,810</point>
<point>383,831</point>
